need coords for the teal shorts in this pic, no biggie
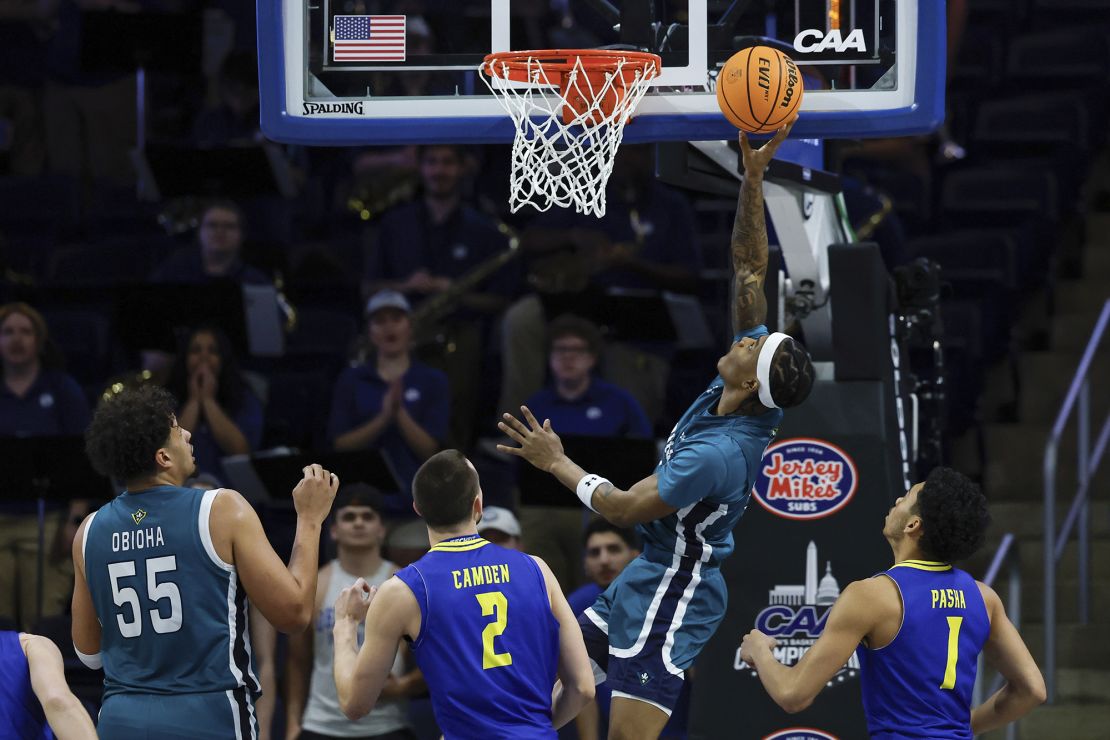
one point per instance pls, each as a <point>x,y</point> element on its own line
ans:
<point>222,715</point>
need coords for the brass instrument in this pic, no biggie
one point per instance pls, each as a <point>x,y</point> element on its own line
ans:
<point>427,316</point>
<point>570,272</point>
<point>127,381</point>
<point>865,230</point>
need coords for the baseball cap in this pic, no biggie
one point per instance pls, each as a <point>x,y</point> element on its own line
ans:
<point>387,299</point>
<point>503,520</point>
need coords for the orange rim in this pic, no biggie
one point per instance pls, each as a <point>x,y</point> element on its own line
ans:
<point>515,65</point>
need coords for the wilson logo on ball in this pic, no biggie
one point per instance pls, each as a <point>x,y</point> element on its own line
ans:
<point>803,478</point>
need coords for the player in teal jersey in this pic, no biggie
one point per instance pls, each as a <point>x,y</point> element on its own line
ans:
<point>488,626</point>
<point>918,629</point>
<point>647,628</point>
<point>162,577</point>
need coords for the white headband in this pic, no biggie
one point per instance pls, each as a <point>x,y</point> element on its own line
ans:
<point>763,367</point>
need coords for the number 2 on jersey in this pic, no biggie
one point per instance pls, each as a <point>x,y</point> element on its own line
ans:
<point>496,605</point>
<point>953,652</point>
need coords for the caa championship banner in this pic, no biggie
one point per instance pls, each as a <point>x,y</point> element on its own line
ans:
<point>814,524</point>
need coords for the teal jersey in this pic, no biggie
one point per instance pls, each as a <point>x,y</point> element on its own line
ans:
<point>919,686</point>
<point>488,643</point>
<point>173,615</point>
<point>709,466</point>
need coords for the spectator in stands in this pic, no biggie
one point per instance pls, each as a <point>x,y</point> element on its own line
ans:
<point>424,248</point>
<point>609,549</point>
<point>579,404</point>
<point>35,401</point>
<point>216,405</point>
<point>312,707</point>
<point>218,254</point>
<point>391,402</point>
<point>500,526</point>
<point>34,697</point>
<point>576,401</point>
<point>646,241</point>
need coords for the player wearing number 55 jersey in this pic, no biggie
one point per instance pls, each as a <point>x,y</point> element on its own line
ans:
<point>163,574</point>
<point>918,628</point>
<point>488,626</point>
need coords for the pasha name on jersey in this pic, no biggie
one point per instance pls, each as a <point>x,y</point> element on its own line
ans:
<point>480,575</point>
<point>140,539</point>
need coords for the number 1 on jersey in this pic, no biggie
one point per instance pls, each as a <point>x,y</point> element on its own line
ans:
<point>954,624</point>
<point>496,605</point>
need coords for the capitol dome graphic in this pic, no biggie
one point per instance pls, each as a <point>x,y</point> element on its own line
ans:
<point>810,592</point>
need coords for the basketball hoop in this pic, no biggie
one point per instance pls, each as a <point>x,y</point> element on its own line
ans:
<point>569,107</point>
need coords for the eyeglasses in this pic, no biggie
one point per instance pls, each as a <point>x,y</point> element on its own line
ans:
<point>352,516</point>
<point>563,349</point>
<point>223,225</point>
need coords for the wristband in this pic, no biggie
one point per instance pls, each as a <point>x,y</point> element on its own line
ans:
<point>586,488</point>
<point>92,662</point>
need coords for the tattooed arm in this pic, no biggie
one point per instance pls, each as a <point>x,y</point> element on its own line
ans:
<point>540,446</point>
<point>749,234</point>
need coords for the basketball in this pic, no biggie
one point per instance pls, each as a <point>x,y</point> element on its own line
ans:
<point>759,89</point>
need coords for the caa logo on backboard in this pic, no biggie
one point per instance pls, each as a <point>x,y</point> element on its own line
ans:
<point>803,478</point>
<point>800,733</point>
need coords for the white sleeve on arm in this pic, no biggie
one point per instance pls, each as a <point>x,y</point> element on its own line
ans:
<point>93,662</point>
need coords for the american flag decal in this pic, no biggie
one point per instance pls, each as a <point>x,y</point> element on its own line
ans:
<point>369,38</point>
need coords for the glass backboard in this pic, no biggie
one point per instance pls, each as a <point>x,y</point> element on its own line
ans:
<point>353,72</point>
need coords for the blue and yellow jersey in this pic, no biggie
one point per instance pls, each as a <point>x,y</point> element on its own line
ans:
<point>173,614</point>
<point>488,642</point>
<point>21,714</point>
<point>919,686</point>
<point>709,466</point>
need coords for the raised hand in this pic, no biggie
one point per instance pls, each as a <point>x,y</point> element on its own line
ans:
<point>354,601</point>
<point>539,445</point>
<point>755,642</point>
<point>315,493</point>
<point>756,160</point>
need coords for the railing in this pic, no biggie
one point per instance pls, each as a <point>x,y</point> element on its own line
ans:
<point>1009,555</point>
<point>1079,396</point>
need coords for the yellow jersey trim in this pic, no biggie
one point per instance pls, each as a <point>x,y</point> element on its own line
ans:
<point>923,565</point>
<point>460,545</point>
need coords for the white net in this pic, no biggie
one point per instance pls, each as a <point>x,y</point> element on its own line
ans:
<point>564,159</point>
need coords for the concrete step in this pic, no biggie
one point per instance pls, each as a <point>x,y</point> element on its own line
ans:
<point>1047,376</point>
<point>1090,685</point>
<point>1025,518</point>
<point>1066,721</point>
<point>1098,232</point>
<point>1096,256</point>
<point>1080,646</point>
<point>1015,457</point>
<point>1067,599</point>
<point>1082,297</point>
<point>1031,557</point>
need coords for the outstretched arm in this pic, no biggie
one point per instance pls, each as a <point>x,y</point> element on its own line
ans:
<point>749,234</point>
<point>541,446</point>
<point>795,688</point>
<point>67,717</point>
<point>1007,653</point>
